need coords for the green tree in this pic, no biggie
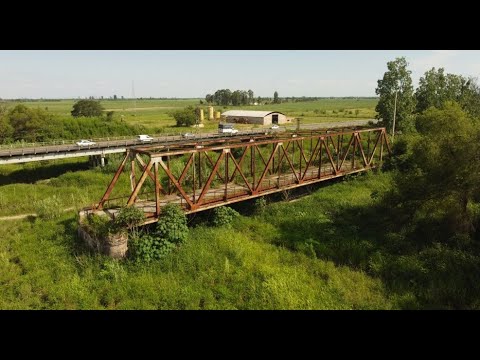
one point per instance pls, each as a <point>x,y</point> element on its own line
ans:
<point>276,100</point>
<point>440,189</point>
<point>6,129</point>
<point>396,80</point>
<point>436,87</point>
<point>87,108</point>
<point>186,116</point>
<point>250,97</point>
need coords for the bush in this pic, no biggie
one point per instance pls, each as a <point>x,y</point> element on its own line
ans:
<point>185,117</point>
<point>260,204</point>
<point>172,225</point>
<point>49,208</point>
<point>130,217</point>
<point>223,216</point>
<point>100,226</point>
<point>148,248</point>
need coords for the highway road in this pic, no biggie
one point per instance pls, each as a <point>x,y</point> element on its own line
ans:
<point>121,144</point>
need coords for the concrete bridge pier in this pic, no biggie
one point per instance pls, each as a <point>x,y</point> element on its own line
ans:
<point>97,160</point>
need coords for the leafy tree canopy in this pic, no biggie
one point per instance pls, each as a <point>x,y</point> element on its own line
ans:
<point>87,108</point>
<point>396,80</point>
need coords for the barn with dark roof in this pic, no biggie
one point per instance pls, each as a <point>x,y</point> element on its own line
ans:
<point>254,117</point>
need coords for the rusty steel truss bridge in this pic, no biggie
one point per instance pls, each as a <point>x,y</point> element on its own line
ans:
<point>203,174</point>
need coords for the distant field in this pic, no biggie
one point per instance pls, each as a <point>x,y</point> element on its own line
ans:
<point>155,114</point>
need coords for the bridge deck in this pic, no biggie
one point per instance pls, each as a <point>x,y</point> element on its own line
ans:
<point>235,192</point>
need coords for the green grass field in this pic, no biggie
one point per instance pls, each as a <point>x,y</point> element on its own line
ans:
<point>155,114</point>
<point>259,263</point>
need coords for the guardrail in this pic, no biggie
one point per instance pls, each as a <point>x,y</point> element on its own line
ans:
<point>156,138</point>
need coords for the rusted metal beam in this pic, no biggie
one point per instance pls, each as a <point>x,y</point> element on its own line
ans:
<point>261,157</point>
<point>265,170</point>
<point>132,174</point>
<point>144,167</point>
<point>346,152</point>
<point>113,182</point>
<point>139,185</point>
<point>291,165</point>
<point>213,165</point>
<point>374,148</point>
<point>185,169</point>
<point>189,148</point>
<point>210,179</point>
<point>313,155</point>
<point>157,191</point>
<point>361,150</point>
<point>237,167</point>
<point>240,162</point>
<point>175,183</point>
<point>330,157</point>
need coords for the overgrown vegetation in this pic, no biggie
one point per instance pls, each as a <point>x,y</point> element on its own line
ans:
<point>223,216</point>
<point>21,123</point>
<point>170,231</point>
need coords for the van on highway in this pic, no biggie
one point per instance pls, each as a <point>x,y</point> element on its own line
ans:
<point>226,129</point>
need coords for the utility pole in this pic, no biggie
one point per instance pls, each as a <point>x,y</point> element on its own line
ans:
<point>394,115</point>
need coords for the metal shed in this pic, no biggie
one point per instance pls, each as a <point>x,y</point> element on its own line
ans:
<point>254,117</point>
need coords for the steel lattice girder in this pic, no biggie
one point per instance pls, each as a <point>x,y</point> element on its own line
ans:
<point>245,167</point>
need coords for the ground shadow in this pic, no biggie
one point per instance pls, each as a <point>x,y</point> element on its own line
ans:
<point>32,175</point>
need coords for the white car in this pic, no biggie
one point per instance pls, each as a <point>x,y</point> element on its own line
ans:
<point>144,138</point>
<point>85,143</point>
<point>275,127</point>
<point>188,135</point>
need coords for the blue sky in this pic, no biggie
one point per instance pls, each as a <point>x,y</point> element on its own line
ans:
<point>194,73</point>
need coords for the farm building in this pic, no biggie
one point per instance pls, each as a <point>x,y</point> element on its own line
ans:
<point>254,117</point>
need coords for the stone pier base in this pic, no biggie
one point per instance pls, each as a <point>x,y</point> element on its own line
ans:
<point>114,245</point>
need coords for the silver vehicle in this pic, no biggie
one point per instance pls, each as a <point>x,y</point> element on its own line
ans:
<point>144,138</point>
<point>85,143</point>
<point>226,129</point>
<point>188,135</point>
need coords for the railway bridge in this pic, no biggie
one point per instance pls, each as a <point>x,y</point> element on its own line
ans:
<point>203,174</point>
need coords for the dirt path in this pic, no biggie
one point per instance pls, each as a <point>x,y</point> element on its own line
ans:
<point>24,216</point>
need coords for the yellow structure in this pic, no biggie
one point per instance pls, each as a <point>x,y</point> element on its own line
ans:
<point>210,113</point>
<point>201,115</point>
<point>217,115</point>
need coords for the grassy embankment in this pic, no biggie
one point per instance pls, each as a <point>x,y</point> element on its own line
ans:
<point>265,261</point>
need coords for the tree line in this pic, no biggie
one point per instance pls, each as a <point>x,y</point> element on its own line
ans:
<point>21,123</point>
<point>226,97</point>
<point>435,89</point>
<point>429,215</point>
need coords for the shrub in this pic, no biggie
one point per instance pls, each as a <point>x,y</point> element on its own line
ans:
<point>130,217</point>
<point>260,204</point>
<point>185,117</point>
<point>223,215</point>
<point>99,226</point>
<point>48,208</point>
<point>148,248</point>
<point>172,225</point>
